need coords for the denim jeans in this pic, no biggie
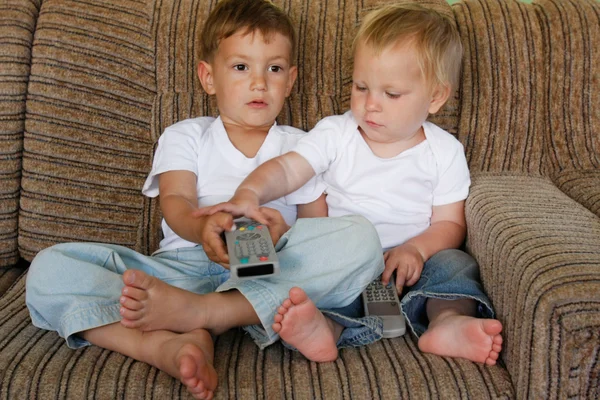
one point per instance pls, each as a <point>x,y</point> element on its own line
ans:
<point>450,274</point>
<point>74,287</point>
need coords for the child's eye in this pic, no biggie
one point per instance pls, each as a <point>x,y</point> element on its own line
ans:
<point>360,88</point>
<point>392,95</point>
<point>275,68</point>
<point>240,67</point>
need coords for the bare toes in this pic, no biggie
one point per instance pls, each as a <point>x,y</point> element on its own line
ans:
<point>276,327</point>
<point>278,318</point>
<point>135,293</point>
<point>130,314</point>
<point>282,310</point>
<point>130,304</point>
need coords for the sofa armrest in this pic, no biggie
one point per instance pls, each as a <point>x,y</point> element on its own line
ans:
<point>539,255</point>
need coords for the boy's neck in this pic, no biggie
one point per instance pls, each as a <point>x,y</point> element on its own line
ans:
<point>247,139</point>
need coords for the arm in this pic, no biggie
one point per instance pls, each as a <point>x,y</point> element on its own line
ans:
<point>317,208</point>
<point>275,178</point>
<point>178,201</point>
<point>447,231</point>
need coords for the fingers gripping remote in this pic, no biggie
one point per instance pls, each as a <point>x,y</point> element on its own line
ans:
<point>382,301</point>
<point>251,251</point>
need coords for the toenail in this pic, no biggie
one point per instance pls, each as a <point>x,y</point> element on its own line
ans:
<point>122,299</point>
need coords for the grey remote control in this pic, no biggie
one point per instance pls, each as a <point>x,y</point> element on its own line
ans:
<point>383,301</point>
<point>251,251</point>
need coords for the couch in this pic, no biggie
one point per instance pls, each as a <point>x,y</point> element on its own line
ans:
<point>87,87</point>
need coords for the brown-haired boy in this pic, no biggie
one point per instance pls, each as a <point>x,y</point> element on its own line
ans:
<point>179,296</point>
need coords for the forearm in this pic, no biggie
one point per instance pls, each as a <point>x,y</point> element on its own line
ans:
<point>177,212</point>
<point>275,178</point>
<point>439,236</point>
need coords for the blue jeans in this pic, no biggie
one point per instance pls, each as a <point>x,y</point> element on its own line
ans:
<point>450,274</point>
<point>74,287</point>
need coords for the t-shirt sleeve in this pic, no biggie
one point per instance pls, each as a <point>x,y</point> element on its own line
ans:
<point>177,150</point>
<point>319,146</point>
<point>453,178</point>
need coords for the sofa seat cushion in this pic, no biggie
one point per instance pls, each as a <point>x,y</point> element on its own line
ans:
<point>37,361</point>
<point>581,185</point>
<point>8,276</point>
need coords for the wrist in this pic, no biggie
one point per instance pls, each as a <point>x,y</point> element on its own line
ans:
<point>245,195</point>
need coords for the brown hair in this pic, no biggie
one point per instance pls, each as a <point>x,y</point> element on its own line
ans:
<point>434,36</point>
<point>230,16</point>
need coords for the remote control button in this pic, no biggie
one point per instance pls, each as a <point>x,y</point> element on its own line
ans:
<point>244,260</point>
<point>242,228</point>
<point>250,228</point>
<point>263,258</point>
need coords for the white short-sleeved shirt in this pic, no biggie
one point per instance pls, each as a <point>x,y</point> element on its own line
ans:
<point>396,194</point>
<point>201,145</point>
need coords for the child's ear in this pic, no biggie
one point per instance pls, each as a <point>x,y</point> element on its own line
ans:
<point>291,80</point>
<point>439,98</point>
<point>206,77</point>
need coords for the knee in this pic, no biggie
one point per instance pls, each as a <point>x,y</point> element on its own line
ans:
<point>361,236</point>
<point>43,267</point>
<point>453,259</point>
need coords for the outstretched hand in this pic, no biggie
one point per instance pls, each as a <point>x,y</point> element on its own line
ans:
<point>240,205</point>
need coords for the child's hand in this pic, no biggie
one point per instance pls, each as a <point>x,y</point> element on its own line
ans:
<point>211,240</point>
<point>276,223</point>
<point>243,203</point>
<point>408,263</point>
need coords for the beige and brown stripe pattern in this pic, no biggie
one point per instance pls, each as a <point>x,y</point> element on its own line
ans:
<point>87,134</point>
<point>17,27</point>
<point>540,269</point>
<point>502,90</point>
<point>33,360</point>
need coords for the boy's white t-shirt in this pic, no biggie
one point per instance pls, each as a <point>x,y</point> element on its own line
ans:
<point>201,145</point>
<point>396,194</point>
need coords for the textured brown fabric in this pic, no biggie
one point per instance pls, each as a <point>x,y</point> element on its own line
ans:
<point>8,276</point>
<point>17,26</point>
<point>87,133</point>
<point>32,360</point>
<point>572,34</point>
<point>582,185</point>
<point>539,253</point>
<point>502,91</point>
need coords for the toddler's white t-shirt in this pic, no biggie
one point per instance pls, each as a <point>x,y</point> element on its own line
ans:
<point>396,194</point>
<point>201,145</point>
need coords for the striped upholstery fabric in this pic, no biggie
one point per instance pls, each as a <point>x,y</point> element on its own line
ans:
<point>574,88</point>
<point>87,133</point>
<point>503,86</point>
<point>17,25</point>
<point>33,360</point>
<point>539,251</point>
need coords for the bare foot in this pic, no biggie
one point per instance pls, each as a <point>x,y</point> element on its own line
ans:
<point>148,304</point>
<point>187,356</point>
<point>464,336</point>
<point>300,323</point>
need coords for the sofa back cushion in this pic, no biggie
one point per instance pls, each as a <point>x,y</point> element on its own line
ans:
<point>571,33</point>
<point>503,95</point>
<point>87,130</point>
<point>16,36</point>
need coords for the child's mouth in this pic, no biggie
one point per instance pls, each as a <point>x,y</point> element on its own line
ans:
<point>257,104</point>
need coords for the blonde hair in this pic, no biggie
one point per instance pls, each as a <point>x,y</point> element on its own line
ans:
<point>231,16</point>
<point>434,37</point>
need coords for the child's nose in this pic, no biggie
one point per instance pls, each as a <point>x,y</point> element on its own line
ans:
<point>258,82</point>
<point>371,103</point>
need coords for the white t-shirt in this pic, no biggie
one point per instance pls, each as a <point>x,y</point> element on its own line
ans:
<point>201,145</point>
<point>396,194</point>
